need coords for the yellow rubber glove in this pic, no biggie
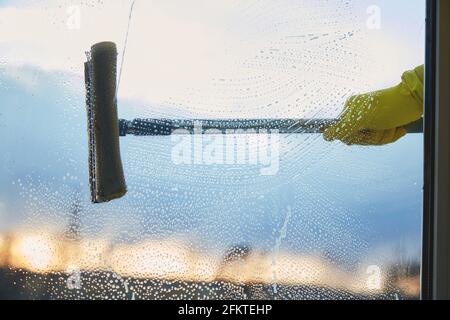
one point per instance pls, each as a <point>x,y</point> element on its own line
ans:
<point>377,118</point>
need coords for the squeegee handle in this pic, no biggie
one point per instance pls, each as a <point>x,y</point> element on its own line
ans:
<point>166,127</point>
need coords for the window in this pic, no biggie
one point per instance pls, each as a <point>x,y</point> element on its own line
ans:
<point>240,216</point>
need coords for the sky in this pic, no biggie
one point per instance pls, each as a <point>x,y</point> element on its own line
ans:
<point>215,58</point>
<point>243,58</point>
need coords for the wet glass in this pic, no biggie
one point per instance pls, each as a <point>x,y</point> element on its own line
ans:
<point>241,215</point>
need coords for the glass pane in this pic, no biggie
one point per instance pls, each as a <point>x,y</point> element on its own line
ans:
<point>236,216</point>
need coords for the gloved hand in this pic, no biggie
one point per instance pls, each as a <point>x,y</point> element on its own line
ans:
<point>378,118</point>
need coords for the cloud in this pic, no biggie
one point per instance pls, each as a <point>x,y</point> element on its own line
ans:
<point>41,36</point>
<point>166,49</point>
<point>216,58</point>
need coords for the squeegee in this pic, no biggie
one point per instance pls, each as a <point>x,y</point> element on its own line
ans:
<point>106,176</point>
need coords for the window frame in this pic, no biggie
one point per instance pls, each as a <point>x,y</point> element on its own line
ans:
<point>435,278</point>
